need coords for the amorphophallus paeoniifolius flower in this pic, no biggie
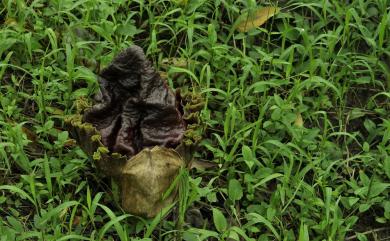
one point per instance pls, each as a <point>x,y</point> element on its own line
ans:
<point>138,131</point>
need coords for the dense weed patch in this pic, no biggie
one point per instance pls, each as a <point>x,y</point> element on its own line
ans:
<point>297,118</point>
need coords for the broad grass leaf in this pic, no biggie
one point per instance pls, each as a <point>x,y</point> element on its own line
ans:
<point>101,31</point>
<point>156,220</point>
<point>181,2</point>
<point>378,188</point>
<point>115,221</point>
<point>4,64</point>
<point>364,178</point>
<point>73,237</point>
<point>200,234</point>
<point>127,29</point>
<point>6,44</point>
<point>248,156</point>
<point>15,224</point>
<point>364,207</point>
<point>219,220</point>
<point>233,235</point>
<point>235,190</point>
<point>356,113</point>
<point>257,218</point>
<point>386,165</point>
<point>361,237</point>
<point>303,233</point>
<point>19,191</point>
<point>249,21</point>
<point>241,232</point>
<point>57,212</point>
<point>348,202</point>
<point>267,179</point>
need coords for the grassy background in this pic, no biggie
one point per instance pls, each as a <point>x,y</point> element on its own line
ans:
<point>297,118</point>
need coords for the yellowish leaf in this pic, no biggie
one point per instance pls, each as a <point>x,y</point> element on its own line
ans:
<point>258,18</point>
<point>298,120</point>
<point>163,74</point>
<point>10,22</point>
<point>177,62</point>
<point>54,110</point>
<point>181,2</point>
<point>70,143</point>
<point>201,165</point>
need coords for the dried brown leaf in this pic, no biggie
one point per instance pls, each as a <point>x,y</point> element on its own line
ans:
<point>29,134</point>
<point>70,143</point>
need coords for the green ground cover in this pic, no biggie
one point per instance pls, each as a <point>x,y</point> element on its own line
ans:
<point>297,117</point>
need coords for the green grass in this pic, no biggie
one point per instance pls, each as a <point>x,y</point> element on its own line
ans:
<point>297,117</point>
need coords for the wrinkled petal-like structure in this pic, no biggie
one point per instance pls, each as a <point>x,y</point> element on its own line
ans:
<point>136,108</point>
